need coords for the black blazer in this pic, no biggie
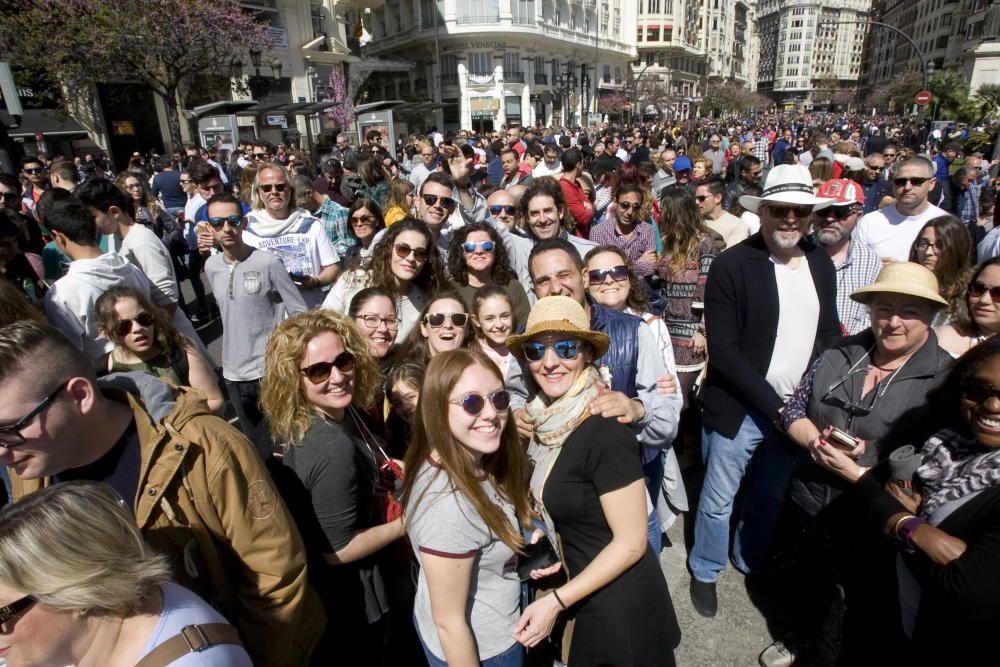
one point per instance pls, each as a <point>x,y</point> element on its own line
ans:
<point>741,318</point>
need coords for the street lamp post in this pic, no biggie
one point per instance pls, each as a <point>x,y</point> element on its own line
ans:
<point>566,83</point>
<point>260,86</point>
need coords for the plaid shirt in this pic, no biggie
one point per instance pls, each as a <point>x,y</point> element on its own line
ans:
<point>760,148</point>
<point>335,222</point>
<point>635,245</point>
<point>970,205</point>
<point>860,269</point>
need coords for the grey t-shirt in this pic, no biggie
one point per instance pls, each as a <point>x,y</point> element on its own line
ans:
<point>440,521</point>
<point>254,296</point>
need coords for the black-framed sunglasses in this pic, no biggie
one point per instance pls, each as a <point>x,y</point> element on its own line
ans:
<point>262,156</point>
<point>34,171</point>
<point>320,371</point>
<point>9,613</point>
<point>233,220</point>
<point>839,212</point>
<point>403,251</point>
<point>124,326</point>
<point>469,246</point>
<point>977,289</point>
<point>435,320</point>
<point>618,274</point>
<point>564,349</point>
<point>277,187</point>
<point>781,210</point>
<point>915,181</point>
<point>474,403</point>
<point>447,203</point>
<point>978,391</point>
<point>10,436</point>
<point>495,209</point>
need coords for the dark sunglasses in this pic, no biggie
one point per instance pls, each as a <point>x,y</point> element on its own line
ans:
<point>233,220</point>
<point>124,327</point>
<point>915,181</point>
<point>473,403</point>
<point>262,156</point>
<point>469,246</point>
<point>839,212</point>
<point>506,208</point>
<point>34,171</point>
<point>564,349</point>
<point>12,611</point>
<point>403,251</point>
<point>629,206</point>
<point>320,371</point>
<point>278,187</point>
<point>10,436</point>
<point>447,203</point>
<point>10,196</point>
<point>435,320</point>
<point>781,210</point>
<point>618,274</point>
<point>363,221</point>
<point>214,187</point>
<point>700,198</point>
<point>977,289</point>
<point>978,391</point>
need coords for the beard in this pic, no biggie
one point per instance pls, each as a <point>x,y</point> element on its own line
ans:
<point>786,243</point>
<point>830,236</point>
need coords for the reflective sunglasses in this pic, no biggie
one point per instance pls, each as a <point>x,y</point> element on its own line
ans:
<point>403,251</point>
<point>320,371</point>
<point>506,208</point>
<point>373,322</point>
<point>447,203</point>
<point>977,289</point>
<point>12,611</point>
<point>10,436</point>
<point>564,349</point>
<point>629,206</point>
<point>839,212</point>
<point>124,327</point>
<point>435,320</point>
<point>915,181</point>
<point>781,210</point>
<point>978,391</point>
<point>469,246</point>
<point>278,187</point>
<point>618,274</point>
<point>473,403</point>
<point>233,220</point>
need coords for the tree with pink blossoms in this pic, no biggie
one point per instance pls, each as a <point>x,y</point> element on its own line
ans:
<point>342,107</point>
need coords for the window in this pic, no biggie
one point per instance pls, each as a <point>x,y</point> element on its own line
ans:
<point>512,63</point>
<point>316,16</point>
<point>639,34</point>
<point>607,73</point>
<point>522,11</point>
<point>481,62</point>
<point>478,11</point>
<point>449,68</point>
<point>429,12</point>
<point>654,6</point>
<point>653,33</point>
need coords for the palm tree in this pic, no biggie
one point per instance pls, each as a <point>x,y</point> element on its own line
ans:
<point>987,97</point>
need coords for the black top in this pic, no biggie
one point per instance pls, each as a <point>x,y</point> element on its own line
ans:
<point>631,621</point>
<point>119,467</point>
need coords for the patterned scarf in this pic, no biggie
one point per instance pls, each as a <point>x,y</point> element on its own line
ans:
<point>954,467</point>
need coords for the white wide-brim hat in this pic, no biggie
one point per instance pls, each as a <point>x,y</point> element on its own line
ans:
<point>788,184</point>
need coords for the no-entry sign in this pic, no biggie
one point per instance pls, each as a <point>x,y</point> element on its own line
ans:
<point>923,97</point>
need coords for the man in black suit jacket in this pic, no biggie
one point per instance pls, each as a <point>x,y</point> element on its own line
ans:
<point>770,305</point>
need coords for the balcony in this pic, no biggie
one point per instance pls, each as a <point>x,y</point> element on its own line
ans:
<point>514,77</point>
<point>480,79</point>
<point>541,80</point>
<point>478,20</point>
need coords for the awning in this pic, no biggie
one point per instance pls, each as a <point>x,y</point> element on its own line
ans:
<point>50,122</point>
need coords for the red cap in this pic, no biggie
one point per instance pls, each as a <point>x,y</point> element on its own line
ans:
<point>842,191</point>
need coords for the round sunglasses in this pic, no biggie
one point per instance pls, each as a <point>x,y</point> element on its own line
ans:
<point>564,349</point>
<point>124,326</point>
<point>474,403</point>
<point>320,371</point>
<point>487,246</point>
<point>435,320</point>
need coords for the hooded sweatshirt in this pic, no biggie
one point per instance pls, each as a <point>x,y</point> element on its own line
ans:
<point>69,304</point>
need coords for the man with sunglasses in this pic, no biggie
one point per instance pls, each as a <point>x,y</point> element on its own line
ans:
<point>36,181</point>
<point>198,491</point>
<point>875,187</point>
<point>708,195</point>
<point>502,207</point>
<point>254,293</point>
<point>889,232</point>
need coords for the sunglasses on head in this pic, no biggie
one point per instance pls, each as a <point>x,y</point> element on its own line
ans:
<point>124,327</point>
<point>447,203</point>
<point>915,181</point>
<point>403,251</point>
<point>495,209</point>
<point>781,210</point>
<point>840,212</point>
<point>278,187</point>
<point>618,274</point>
<point>473,403</point>
<point>629,206</point>
<point>320,371</point>
<point>977,289</point>
<point>435,320</point>
<point>978,391</point>
<point>469,246</point>
<point>234,220</point>
<point>564,349</point>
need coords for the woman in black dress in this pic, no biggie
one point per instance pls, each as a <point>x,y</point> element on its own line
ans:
<point>589,488</point>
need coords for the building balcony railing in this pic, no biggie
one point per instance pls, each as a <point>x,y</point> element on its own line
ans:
<point>449,79</point>
<point>514,77</point>
<point>480,79</point>
<point>477,20</point>
<point>523,20</point>
<point>541,80</point>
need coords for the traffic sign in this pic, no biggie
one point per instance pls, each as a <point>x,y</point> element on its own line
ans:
<point>923,98</point>
<point>627,106</point>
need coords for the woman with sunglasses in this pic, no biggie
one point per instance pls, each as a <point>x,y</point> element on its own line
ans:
<point>405,263</point>
<point>319,376</point>
<point>146,341</point>
<point>80,586</point>
<point>146,209</point>
<point>444,326</point>
<point>477,258</point>
<point>466,504</point>
<point>399,203</point>
<point>944,246</point>
<point>589,487</point>
<point>364,221</point>
<point>943,523</point>
<point>625,228</point>
<point>977,316</point>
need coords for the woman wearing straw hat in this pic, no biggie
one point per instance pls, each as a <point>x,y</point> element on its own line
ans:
<point>589,487</point>
<point>861,396</point>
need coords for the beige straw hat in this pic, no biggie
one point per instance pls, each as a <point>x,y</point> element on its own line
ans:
<point>907,278</point>
<point>559,314</point>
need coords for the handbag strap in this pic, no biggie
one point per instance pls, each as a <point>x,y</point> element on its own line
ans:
<point>191,639</point>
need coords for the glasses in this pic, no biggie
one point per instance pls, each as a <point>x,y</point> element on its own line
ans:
<point>978,391</point>
<point>12,611</point>
<point>915,181</point>
<point>363,221</point>
<point>234,220</point>
<point>618,274</point>
<point>924,244</point>
<point>185,181</point>
<point>320,371</point>
<point>124,327</point>
<point>277,187</point>
<point>34,171</point>
<point>629,206</point>
<point>10,436</point>
<point>700,198</point>
<point>214,187</point>
<point>447,203</point>
<point>133,186</point>
<point>564,349</point>
<point>469,246</point>
<point>839,212</point>
<point>403,251</point>
<point>506,208</point>
<point>261,156</point>
<point>977,289</point>
<point>781,210</point>
<point>473,403</point>
<point>436,320</point>
<point>373,322</point>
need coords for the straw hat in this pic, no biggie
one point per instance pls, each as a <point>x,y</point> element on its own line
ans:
<point>908,278</point>
<point>559,314</point>
<point>788,184</point>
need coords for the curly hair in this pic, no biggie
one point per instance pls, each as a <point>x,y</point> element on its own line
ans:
<point>546,186</point>
<point>637,297</point>
<point>282,397</point>
<point>167,337</point>
<point>379,265</point>
<point>147,199</point>
<point>457,269</point>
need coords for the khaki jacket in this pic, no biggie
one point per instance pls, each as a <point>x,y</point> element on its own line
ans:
<point>206,499</point>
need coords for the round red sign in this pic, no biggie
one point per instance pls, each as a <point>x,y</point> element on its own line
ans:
<point>923,97</point>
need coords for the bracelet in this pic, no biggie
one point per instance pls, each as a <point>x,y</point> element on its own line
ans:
<point>907,530</point>
<point>895,529</point>
<point>558,599</point>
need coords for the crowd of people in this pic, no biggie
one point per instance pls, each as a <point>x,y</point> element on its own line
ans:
<point>467,381</point>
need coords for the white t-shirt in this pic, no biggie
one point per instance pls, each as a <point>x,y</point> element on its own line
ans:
<point>306,252</point>
<point>798,319</point>
<point>889,233</point>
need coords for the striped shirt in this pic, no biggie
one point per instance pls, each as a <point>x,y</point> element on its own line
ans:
<point>635,245</point>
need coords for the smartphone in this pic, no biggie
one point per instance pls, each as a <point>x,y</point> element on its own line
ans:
<point>536,556</point>
<point>843,440</point>
<point>296,276</point>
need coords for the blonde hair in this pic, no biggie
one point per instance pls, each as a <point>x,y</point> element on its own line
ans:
<point>76,546</point>
<point>282,397</point>
<point>256,203</point>
<point>14,305</point>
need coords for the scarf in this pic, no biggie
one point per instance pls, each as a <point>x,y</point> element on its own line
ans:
<point>553,423</point>
<point>267,227</point>
<point>955,467</point>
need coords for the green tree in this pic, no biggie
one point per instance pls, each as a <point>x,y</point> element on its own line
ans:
<point>950,93</point>
<point>988,99</point>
